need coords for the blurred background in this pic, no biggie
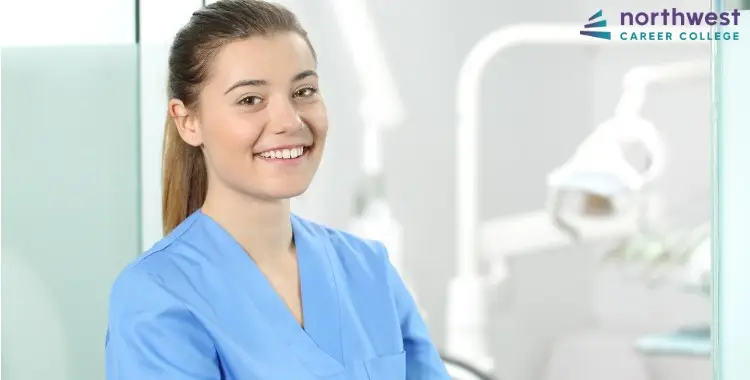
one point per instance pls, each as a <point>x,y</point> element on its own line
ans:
<point>547,203</point>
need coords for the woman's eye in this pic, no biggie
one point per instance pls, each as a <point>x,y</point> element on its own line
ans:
<point>250,100</point>
<point>305,92</point>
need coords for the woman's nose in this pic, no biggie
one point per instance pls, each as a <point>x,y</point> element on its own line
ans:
<point>284,116</point>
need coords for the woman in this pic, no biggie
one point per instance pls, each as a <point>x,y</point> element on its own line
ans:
<point>240,288</point>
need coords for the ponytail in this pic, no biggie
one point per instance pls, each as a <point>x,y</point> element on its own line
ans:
<point>184,178</point>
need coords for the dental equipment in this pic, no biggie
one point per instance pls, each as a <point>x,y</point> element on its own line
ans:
<point>466,314</point>
<point>696,339</point>
<point>380,109</point>
<point>599,167</point>
<point>658,257</point>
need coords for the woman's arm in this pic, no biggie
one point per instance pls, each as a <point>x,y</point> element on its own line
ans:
<point>423,361</point>
<point>151,335</point>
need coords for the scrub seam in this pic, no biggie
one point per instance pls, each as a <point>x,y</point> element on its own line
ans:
<point>167,245</point>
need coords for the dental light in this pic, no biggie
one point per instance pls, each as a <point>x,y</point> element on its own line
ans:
<point>466,312</point>
<point>380,109</point>
<point>599,167</point>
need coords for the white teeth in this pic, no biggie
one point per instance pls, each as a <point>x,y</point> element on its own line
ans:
<point>283,153</point>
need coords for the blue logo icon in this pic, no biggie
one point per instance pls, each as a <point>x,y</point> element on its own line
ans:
<point>596,24</point>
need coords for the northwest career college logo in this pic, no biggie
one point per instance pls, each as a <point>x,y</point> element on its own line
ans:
<point>596,24</point>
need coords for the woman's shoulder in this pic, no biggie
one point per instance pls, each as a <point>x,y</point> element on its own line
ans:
<point>160,268</point>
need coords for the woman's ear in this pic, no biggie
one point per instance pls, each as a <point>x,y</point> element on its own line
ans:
<point>187,123</point>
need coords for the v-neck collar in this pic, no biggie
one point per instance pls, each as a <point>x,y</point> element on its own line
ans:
<point>320,299</point>
<point>319,343</point>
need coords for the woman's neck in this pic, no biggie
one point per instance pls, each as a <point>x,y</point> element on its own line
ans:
<point>262,228</point>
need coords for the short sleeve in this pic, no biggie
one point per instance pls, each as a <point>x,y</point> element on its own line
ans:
<point>423,361</point>
<point>151,335</point>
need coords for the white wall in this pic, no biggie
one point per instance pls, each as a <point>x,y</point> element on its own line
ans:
<point>67,22</point>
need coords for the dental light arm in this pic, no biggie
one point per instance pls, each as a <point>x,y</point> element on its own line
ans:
<point>466,314</point>
<point>636,82</point>
<point>635,87</point>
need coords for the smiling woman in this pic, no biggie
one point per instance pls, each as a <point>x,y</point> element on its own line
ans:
<point>241,111</point>
<point>240,288</point>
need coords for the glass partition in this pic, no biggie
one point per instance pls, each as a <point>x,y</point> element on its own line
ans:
<point>731,202</point>
<point>70,203</point>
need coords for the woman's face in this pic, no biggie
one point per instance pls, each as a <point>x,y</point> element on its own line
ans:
<point>262,120</point>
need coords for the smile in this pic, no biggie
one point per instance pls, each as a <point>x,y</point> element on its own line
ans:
<point>284,154</point>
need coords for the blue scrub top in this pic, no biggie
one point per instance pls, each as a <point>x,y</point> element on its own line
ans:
<point>196,307</point>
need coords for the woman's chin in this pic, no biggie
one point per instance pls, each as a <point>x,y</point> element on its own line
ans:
<point>285,191</point>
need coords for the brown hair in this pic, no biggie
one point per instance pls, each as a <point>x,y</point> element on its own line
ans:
<point>185,180</point>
